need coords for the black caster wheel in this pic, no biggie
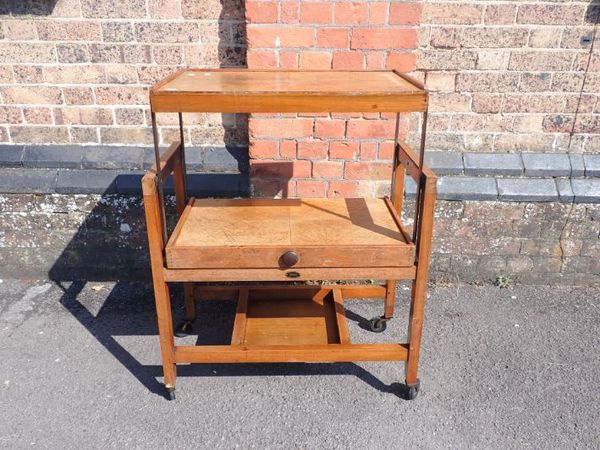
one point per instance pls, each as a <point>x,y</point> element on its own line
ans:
<point>170,393</point>
<point>378,324</point>
<point>411,391</point>
<point>185,328</point>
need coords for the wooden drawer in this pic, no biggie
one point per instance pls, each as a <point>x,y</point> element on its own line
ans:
<point>288,234</point>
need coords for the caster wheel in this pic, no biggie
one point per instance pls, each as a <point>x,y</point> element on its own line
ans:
<point>377,324</point>
<point>412,391</point>
<point>170,394</point>
<point>185,329</point>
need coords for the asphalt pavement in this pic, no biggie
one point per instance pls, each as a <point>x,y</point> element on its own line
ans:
<point>501,368</point>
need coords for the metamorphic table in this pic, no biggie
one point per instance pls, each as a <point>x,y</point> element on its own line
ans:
<point>262,248</point>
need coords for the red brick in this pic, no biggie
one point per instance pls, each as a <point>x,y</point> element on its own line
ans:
<point>332,38</point>
<point>316,12</point>
<point>368,151</point>
<point>348,60</point>
<point>288,60</point>
<point>312,149</point>
<point>273,188</point>
<point>328,128</point>
<point>381,38</point>
<point>378,13</point>
<point>290,11</point>
<point>262,59</point>
<point>287,149</point>
<point>292,37</point>
<point>371,129</point>
<point>285,169</point>
<point>367,171</point>
<point>351,13</point>
<point>327,169</point>
<point>386,151</point>
<point>402,62</point>
<point>314,60</point>
<point>280,128</point>
<point>344,189</point>
<point>405,13</point>
<point>261,12</point>
<point>376,60</point>
<point>310,188</point>
<point>264,149</point>
<point>343,150</point>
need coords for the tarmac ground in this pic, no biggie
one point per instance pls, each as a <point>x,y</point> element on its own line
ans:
<point>500,368</point>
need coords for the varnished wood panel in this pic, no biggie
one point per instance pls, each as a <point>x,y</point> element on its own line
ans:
<point>234,90</point>
<point>244,233</point>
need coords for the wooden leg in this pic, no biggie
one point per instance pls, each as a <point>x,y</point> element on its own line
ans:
<point>190,301</point>
<point>415,328</point>
<point>165,331</point>
<point>390,298</point>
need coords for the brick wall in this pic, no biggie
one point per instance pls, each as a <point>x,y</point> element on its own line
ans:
<point>77,71</point>
<point>512,76</point>
<point>327,154</point>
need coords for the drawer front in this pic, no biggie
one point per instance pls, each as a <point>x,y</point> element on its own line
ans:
<point>292,258</point>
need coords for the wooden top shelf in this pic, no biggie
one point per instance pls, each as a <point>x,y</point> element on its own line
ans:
<point>246,91</point>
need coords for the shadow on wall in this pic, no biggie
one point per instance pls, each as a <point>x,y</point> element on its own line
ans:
<point>592,14</point>
<point>27,7</point>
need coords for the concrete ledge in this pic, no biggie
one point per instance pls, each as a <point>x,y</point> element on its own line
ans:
<point>493,164</point>
<point>524,190</point>
<point>96,181</point>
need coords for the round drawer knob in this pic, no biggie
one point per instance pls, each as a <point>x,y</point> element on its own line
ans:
<point>290,258</point>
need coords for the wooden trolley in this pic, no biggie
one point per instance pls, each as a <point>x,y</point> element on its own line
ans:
<point>282,240</point>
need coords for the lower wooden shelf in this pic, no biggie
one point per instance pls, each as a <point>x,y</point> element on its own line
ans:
<point>307,326</point>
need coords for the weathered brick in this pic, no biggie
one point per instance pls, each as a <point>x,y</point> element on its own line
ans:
<point>117,32</point>
<point>367,171</point>
<point>540,60</point>
<point>121,95</point>
<point>113,9</point>
<point>161,9</point>
<point>344,189</point>
<point>37,115</point>
<point>48,30</point>
<point>452,13</point>
<point>494,37</point>
<point>487,82</point>
<point>166,32</point>
<point>39,134</point>
<point>74,74</point>
<point>30,52</point>
<point>570,14</point>
<point>20,30</point>
<point>72,53</point>
<point>38,95</point>
<point>501,14</point>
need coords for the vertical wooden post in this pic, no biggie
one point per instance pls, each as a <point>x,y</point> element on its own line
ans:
<point>161,289</point>
<point>419,287</point>
<point>182,198</point>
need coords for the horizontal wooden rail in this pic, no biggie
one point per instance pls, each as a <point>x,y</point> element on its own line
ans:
<point>230,292</point>
<point>350,273</point>
<point>290,353</point>
<point>168,161</point>
<point>410,161</point>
